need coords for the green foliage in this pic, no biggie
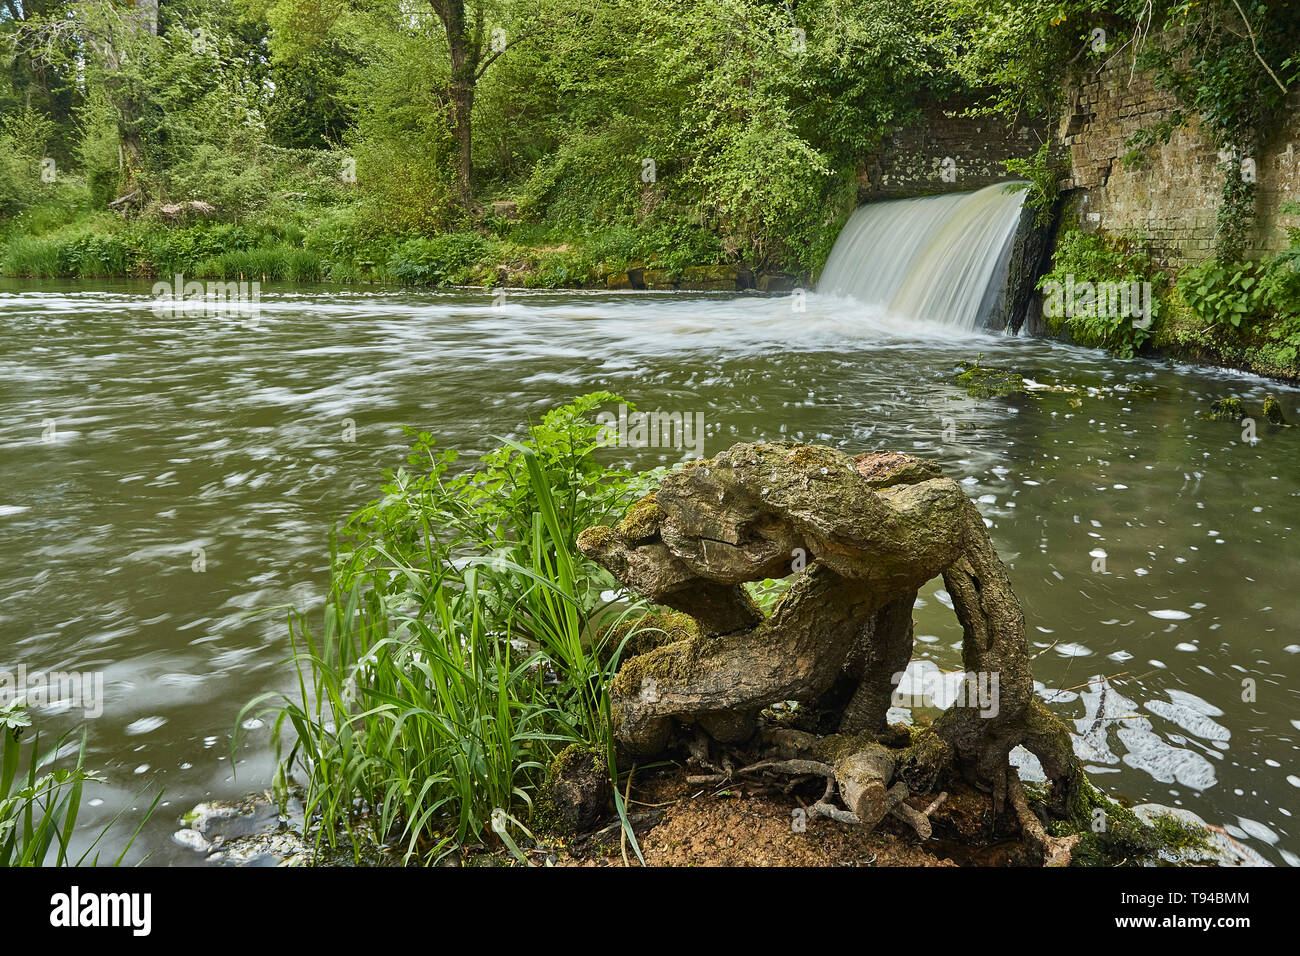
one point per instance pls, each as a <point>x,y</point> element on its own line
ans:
<point>753,115</point>
<point>449,259</point>
<point>97,151</point>
<point>39,807</point>
<point>459,648</point>
<point>24,136</point>
<point>1015,54</point>
<point>1225,294</point>
<point>1082,259</point>
<point>404,156</point>
<point>1250,300</point>
<point>1042,175</point>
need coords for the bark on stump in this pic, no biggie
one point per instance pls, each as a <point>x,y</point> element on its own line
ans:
<point>863,535</point>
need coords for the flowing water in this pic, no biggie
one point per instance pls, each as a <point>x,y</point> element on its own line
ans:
<point>943,257</point>
<point>170,479</point>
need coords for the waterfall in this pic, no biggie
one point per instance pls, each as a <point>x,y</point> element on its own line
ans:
<point>940,258</point>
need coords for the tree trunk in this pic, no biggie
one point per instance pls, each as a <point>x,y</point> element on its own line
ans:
<point>462,106</point>
<point>465,44</point>
<point>873,530</point>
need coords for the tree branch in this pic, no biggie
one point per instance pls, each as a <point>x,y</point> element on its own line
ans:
<point>1255,46</point>
<point>478,74</point>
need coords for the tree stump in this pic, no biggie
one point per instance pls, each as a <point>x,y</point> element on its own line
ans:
<point>862,535</point>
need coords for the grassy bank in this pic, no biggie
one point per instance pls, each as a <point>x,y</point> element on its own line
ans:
<point>329,244</point>
<point>464,645</point>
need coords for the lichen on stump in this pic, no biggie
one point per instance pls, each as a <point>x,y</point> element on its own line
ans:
<point>862,535</point>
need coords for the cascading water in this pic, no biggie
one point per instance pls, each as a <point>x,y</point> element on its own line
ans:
<point>939,258</point>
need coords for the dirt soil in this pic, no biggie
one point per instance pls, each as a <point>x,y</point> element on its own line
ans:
<point>750,823</point>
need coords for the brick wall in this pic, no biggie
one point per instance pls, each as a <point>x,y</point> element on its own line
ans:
<point>1172,195</point>
<point>944,153</point>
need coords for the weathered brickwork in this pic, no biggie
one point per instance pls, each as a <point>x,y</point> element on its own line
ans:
<point>946,152</point>
<point>1171,194</point>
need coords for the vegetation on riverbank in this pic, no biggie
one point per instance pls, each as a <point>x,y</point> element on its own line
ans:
<point>726,134</point>
<point>39,804</point>
<point>554,144</point>
<point>1238,313</point>
<point>464,645</point>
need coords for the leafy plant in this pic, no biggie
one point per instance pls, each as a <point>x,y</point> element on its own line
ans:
<point>1086,265</point>
<point>462,644</point>
<point>1043,175</point>
<point>443,260</point>
<point>39,808</point>
<point>1225,294</point>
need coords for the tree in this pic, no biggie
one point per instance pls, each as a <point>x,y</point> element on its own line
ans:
<point>464,25</point>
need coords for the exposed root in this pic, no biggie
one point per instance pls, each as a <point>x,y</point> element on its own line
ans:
<point>864,534</point>
<point>859,778</point>
<point>1056,851</point>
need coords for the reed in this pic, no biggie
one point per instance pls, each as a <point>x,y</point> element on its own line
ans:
<point>458,650</point>
<point>39,807</point>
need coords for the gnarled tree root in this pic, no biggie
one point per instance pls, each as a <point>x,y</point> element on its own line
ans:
<point>862,535</point>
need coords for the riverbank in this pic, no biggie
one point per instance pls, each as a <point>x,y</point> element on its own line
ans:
<point>1239,318</point>
<point>743,822</point>
<point>330,243</point>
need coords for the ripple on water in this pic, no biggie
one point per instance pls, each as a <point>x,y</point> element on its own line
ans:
<point>144,725</point>
<point>235,438</point>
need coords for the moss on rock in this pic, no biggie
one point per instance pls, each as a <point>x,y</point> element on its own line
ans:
<point>1113,835</point>
<point>1227,409</point>
<point>984,382</point>
<point>1273,411</point>
<point>641,523</point>
<point>578,791</point>
<point>646,633</point>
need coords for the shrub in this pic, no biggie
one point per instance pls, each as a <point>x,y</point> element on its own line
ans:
<point>24,135</point>
<point>448,259</point>
<point>1081,264</point>
<point>1251,299</point>
<point>1225,294</point>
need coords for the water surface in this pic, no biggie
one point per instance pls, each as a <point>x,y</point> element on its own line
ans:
<point>1150,546</point>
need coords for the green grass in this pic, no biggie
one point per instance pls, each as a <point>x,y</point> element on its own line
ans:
<point>29,256</point>
<point>278,262</point>
<point>39,807</point>
<point>60,241</point>
<point>462,645</point>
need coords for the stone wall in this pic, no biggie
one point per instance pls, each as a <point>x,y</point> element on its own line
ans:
<point>1172,193</point>
<point>945,152</point>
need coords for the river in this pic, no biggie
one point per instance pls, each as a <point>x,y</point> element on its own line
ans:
<point>169,480</point>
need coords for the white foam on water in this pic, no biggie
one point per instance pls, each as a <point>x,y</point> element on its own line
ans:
<point>936,258</point>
